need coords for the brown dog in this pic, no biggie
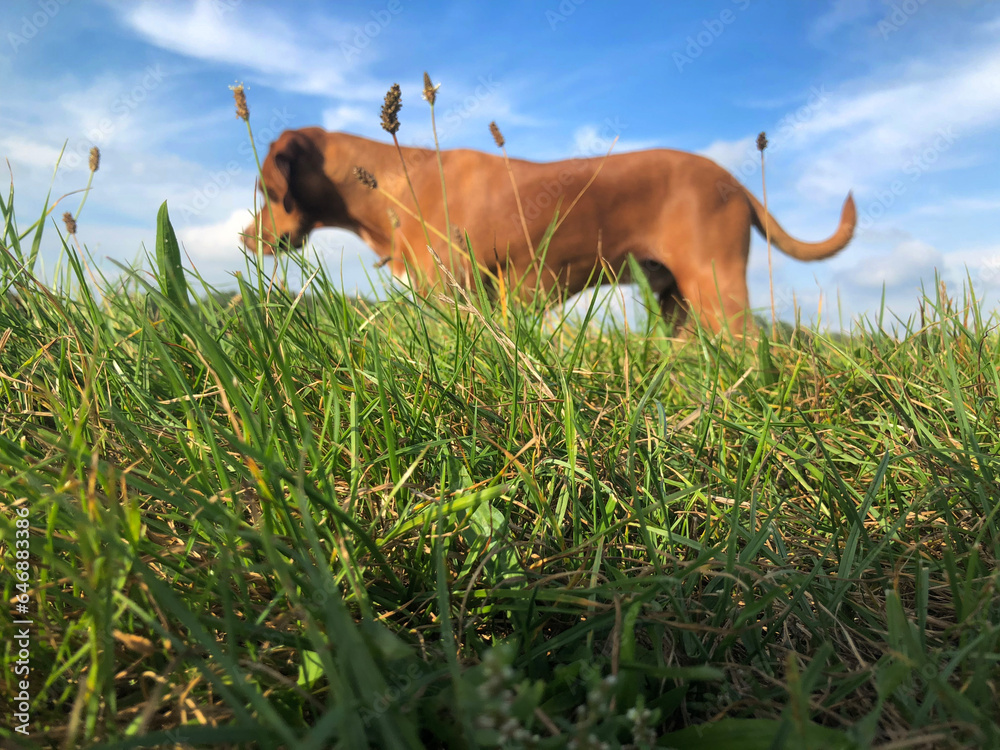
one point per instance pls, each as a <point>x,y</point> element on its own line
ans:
<point>684,218</point>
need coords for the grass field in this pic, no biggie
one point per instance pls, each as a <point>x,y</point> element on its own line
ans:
<point>283,519</point>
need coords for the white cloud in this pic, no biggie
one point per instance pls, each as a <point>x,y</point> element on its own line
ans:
<point>119,114</point>
<point>840,14</point>
<point>312,58</point>
<point>595,140</point>
<point>904,267</point>
<point>215,240</point>
<point>137,173</point>
<point>22,150</point>
<point>464,109</point>
<point>898,123</point>
<point>214,250</point>
<point>730,154</point>
<point>980,264</point>
<point>287,57</point>
<point>875,130</point>
<point>347,117</point>
<point>954,206</point>
<point>955,269</point>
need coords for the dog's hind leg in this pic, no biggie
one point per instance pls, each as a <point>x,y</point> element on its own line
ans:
<point>673,309</point>
<point>706,249</point>
<point>718,298</point>
<point>663,284</point>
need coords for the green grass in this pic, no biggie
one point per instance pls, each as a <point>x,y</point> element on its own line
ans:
<point>299,520</point>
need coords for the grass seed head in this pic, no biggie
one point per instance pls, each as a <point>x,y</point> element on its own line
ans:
<point>390,110</point>
<point>497,135</point>
<point>366,178</point>
<point>70,222</point>
<point>761,141</point>
<point>430,90</point>
<point>393,218</point>
<point>242,111</point>
<point>95,158</point>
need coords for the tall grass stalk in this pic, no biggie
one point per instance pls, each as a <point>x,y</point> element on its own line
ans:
<point>761,145</point>
<point>501,144</point>
<point>430,96</point>
<point>390,123</point>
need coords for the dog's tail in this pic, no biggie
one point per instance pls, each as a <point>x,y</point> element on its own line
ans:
<point>805,250</point>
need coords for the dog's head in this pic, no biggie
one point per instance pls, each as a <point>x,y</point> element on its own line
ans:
<point>286,211</point>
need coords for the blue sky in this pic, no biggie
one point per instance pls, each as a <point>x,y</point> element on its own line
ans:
<point>898,101</point>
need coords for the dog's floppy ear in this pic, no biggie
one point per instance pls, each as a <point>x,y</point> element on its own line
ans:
<point>283,157</point>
